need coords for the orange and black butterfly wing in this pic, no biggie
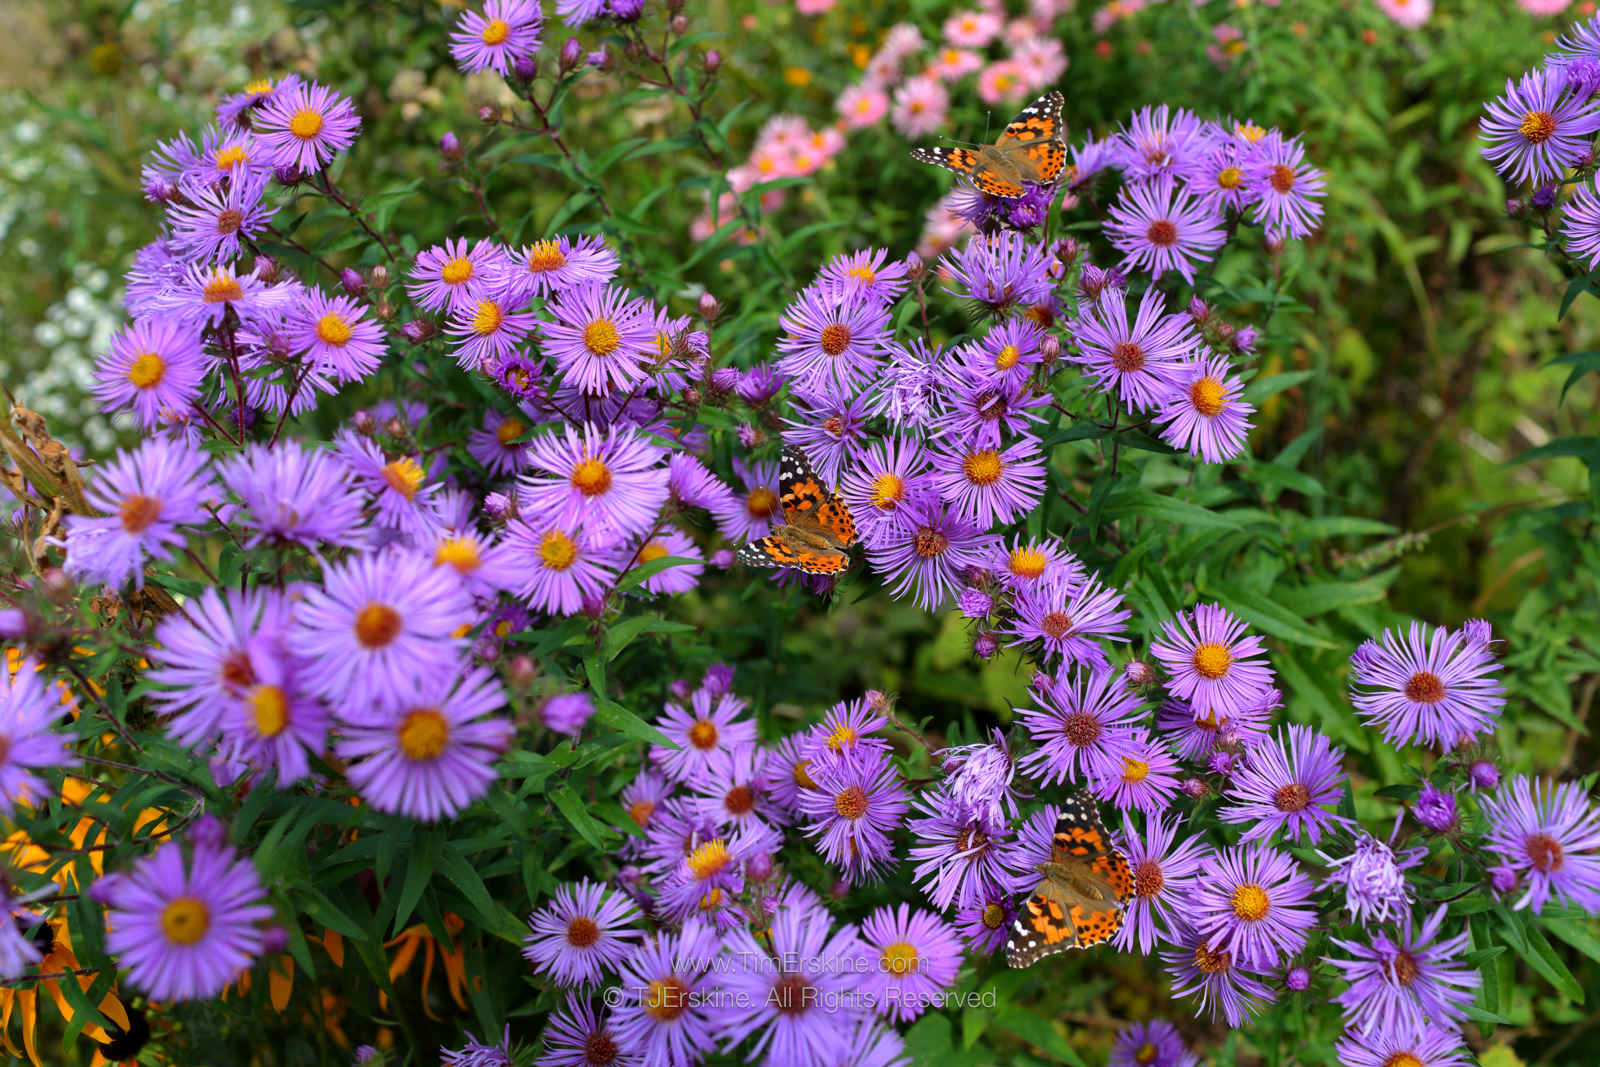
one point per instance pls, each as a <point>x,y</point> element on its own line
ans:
<point>1085,908</point>
<point>1039,121</point>
<point>962,161</point>
<point>781,548</point>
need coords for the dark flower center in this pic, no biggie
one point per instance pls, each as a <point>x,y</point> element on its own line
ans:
<point>789,994</point>
<point>990,405</point>
<point>929,542</point>
<point>229,221</point>
<point>1545,853</point>
<point>1162,233</point>
<point>599,1049</point>
<point>1148,879</point>
<point>1127,357</point>
<point>1080,728</point>
<point>835,338</point>
<point>1282,178</point>
<point>1293,797</point>
<point>582,932</point>
<point>1404,968</point>
<point>1056,625</point>
<point>739,800</point>
<point>1425,688</point>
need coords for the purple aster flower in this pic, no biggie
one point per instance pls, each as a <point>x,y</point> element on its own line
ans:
<point>576,1037</point>
<point>566,713</point>
<point>975,603</point>
<point>1197,739</point>
<point>582,934</point>
<point>1580,225</point>
<point>1165,873</point>
<point>558,264</point>
<point>1255,902</point>
<point>153,279</point>
<point>918,955</point>
<point>1152,1043</point>
<point>272,721</point>
<point>1141,362</point>
<point>1285,785</point>
<point>1436,809</point>
<point>831,430</point>
<point>692,485</point>
<point>1548,834</point>
<point>991,485</point>
<point>494,39</point>
<point>560,565</point>
<point>380,626</point>
<point>709,724</point>
<point>1410,1045</point>
<point>185,931</point>
<point>145,498</point>
<point>666,1010</point>
<point>202,658</point>
<point>429,753</point>
<point>405,503</point>
<point>749,515</point>
<point>860,800</point>
<point>153,365</point>
<point>334,333</point>
<point>306,126</point>
<point>1204,411</point>
<point>601,338</point>
<point>1144,776</point>
<point>294,495</point>
<point>208,221</point>
<point>225,153</point>
<point>1093,282</point>
<point>985,924</point>
<point>1032,845</point>
<point>927,552</point>
<point>1000,270</point>
<point>1225,990</point>
<point>1287,193</point>
<point>1159,227</point>
<point>1217,178</point>
<point>499,445</point>
<point>733,788</point>
<point>1483,774</point>
<point>29,708</point>
<point>865,274</point>
<point>978,778</point>
<point>453,278</point>
<point>1158,142</point>
<point>1373,877</point>
<point>1068,619</point>
<point>980,409</point>
<point>793,991</point>
<point>831,341</point>
<point>957,855</point>
<point>203,296</point>
<point>482,566</point>
<point>1211,663</point>
<point>1430,688</point>
<point>1407,981</point>
<point>875,487</point>
<point>1537,128</point>
<point>911,386</point>
<point>612,482</point>
<point>487,330</point>
<point>477,1053</point>
<point>1088,714</point>
<point>1011,348</point>
<point>163,171</point>
<point>237,109</point>
<point>1032,561</point>
<point>678,578</point>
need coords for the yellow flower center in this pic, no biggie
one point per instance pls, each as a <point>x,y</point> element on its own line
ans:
<point>423,734</point>
<point>259,87</point>
<point>761,503</point>
<point>138,512</point>
<point>640,811</point>
<point>306,124</point>
<point>1250,133</point>
<point>333,330</point>
<point>851,804</point>
<point>458,552</point>
<point>601,337</point>
<point>841,736</point>
<point>1212,660</point>
<point>652,551</point>
<point>1026,561</point>
<point>1537,126</point>
<point>557,551</point>
<point>185,920</point>
<point>509,430</point>
<point>1206,396</point>
<point>667,999</point>
<point>147,370</point>
<point>982,467</point>
<point>233,155</point>
<point>1134,770</point>
<point>544,256</point>
<point>863,273</point>
<point>1230,178</point>
<point>1250,902</point>
<point>887,491</point>
<point>703,734</point>
<point>709,859</point>
<point>591,477</point>
<point>270,707</point>
<point>377,625</point>
<point>495,31</point>
<point>487,318</point>
<point>1403,1059</point>
<point>1007,357</point>
<point>220,288</point>
<point>455,271</point>
<point>802,775</point>
<point>900,958</point>
<point>404,476</point>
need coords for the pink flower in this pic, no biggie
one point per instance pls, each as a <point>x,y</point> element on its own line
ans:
<point>920,107</point>
<point>1543,7</point>
<point>813,7</point>
<point>862,106</point>
<point>1019,32</point>
<point>1002,82</point>
<point>972,29</point>
<point>782,131</point>
<point>1041,60</point>
<point>952,64</point>
<point>1413,13</point>
<point>1114,12</point>
<point>902,41</point>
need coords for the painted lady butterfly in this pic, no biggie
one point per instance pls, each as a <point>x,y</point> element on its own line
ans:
<point>1080,900</point>
<point>817,526</point>
<point>1030,150</point>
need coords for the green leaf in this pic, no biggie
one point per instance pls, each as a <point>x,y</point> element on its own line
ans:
<point>420,862</point>
<point>382,206</point>
<point>623,633</point>
<point>1268,616</point>
<point>1142,503</point>
<point>625,722</point>
<point>1531,944</point>
<point>650,570</point>
<point>588,827</point>
<point>1579,934</point>
<point>1323,597</point>
<point>320,908</point>
<point>1326,526</point>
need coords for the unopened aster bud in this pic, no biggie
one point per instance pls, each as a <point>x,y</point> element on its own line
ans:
<point>488,115</point>
<point>521,670</point>
<point>725,379</point>
<point>1274,246</point>
<point>352,282</point>
<point>752,436</point>
<point>1503,879</point>
<point>599,59</point>
<point>1436,809</point>
<point>722,558</point>
<point>1138,672</point>
<point>1050,349</point>
<point>394,428</point>
<point>680,689</point>
<point>1193,787</point>
<point>363,422</point>
<point>1042,682</point>
<point>525,66</point>
<point>758,868</point>
<point>450,146</point>
<point>1245,339</point>
<point>288,175</point>
<point>378,276</point>
<point>679,25</point>
<point>208,832</point>
<point>1515,208</point>
<point>975,603</point>
<point>1483,774</point>
<point>984,646</point>
<point>878,701</point>
<point>384,310</point>
<point>708,307</point>
<point>1198,310</point>
<point>916,269</point>
<point>713,61</point>
<point>1297,980</point>
<point>691,396</point>
<point>273,939</point>
<point>57,586</point>
<point>266,270</point>
<point>594,606</point>
<point>417,330</point>
<point>1067,251</point>
<point>1221,763</point>
<point>571,53</point>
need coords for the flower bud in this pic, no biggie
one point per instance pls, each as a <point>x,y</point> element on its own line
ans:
<point>1515,208</point>
<point>525,67</point>
<point>352,281</point>
<point>450,146</point>
<point>1198,311</point>
<point>521,671</point>
<point>1194,788</point>
<point>691,396</point>
<point>916,269</point>
<point>984,646</point>
<point>488,115</point>
<point>266,270</point>
<point>713,61</point>
<point>418,330</point>
<point>208,832</point>
<point>679,25</point>
<point>288,175</point>
<point>384,310</point>
<point>1049,349</point>
<point>273,939</point>
<point>363,422</point>
<point>709,307</point>
<point>1483,774</point>
<point>680,689</point>
<point>1544,198</point>
<point>571,53</point>
<point>1245,339</point>
<point>57,586</point>
<point>1067,251</point>
<point>1138,672</point>
<point>599,60</point>
<point>1503,879</point>
<point>1297,980</point>
<point>378,276</point>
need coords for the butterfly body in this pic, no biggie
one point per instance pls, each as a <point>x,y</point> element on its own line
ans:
<point>817,530</point>
<point>1082,891</point>
<point>1030,150</point>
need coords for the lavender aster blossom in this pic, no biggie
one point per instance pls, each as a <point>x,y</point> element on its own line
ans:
<point>558,264</point>
<point>576,1037</point>
<point>1030,561</point>
<point>1373,877</point>
<point>1285,785</point>
<point>1537,128</point>
<point>1143,776</point>
<point>980,410</point>
<point>1157,141</point>
<point>612,482</point>
<point>1210,661</point>
<point>1000,271</point>
<point>496,38</point>
<point>1412,1045</point>
<point>1549,835</point>
<point>1225,990</point>
<point>1431,688</point>
<point>710,724</point>
<point>1068,619</point>
<point>294,495</point>
<point>1153,1043</point>
<point>733,788</point>
<point>1436,809</point>
<point>582,934</point>
<point>1204,410</point>
<point>918,955</point>
<point>561,566</point>
<point>1256,904</point>
<point>145,498</point>
<point>1141,363</point>
<point>859,801</point>
<point>1086,715</point>
<point>208,222</point>
<point>477,1053</point>
<point>1165,872</point>
<point>665,1011</point>
<point>927,551</point>
<point>406,503</point>
<point>305,126</point>
<point>876,486</point>
<point>1406,981</point>
<point>488,330</point>
<point>1285,190</point>
<point>864,273</point>
<point>957,855</point>
<point>601,338</point>
<point>336,337</point>
<point>453,278</point>
<point>29,708</point>
<point>832,341</point>
<point>991,485</point>
<point>566,713</point>
<point>153,365</point>
<point>185,931</point>
<point>202,658</point>
<point>1159,227</point>
<point>1580,225</point>
<point>978,778</point>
